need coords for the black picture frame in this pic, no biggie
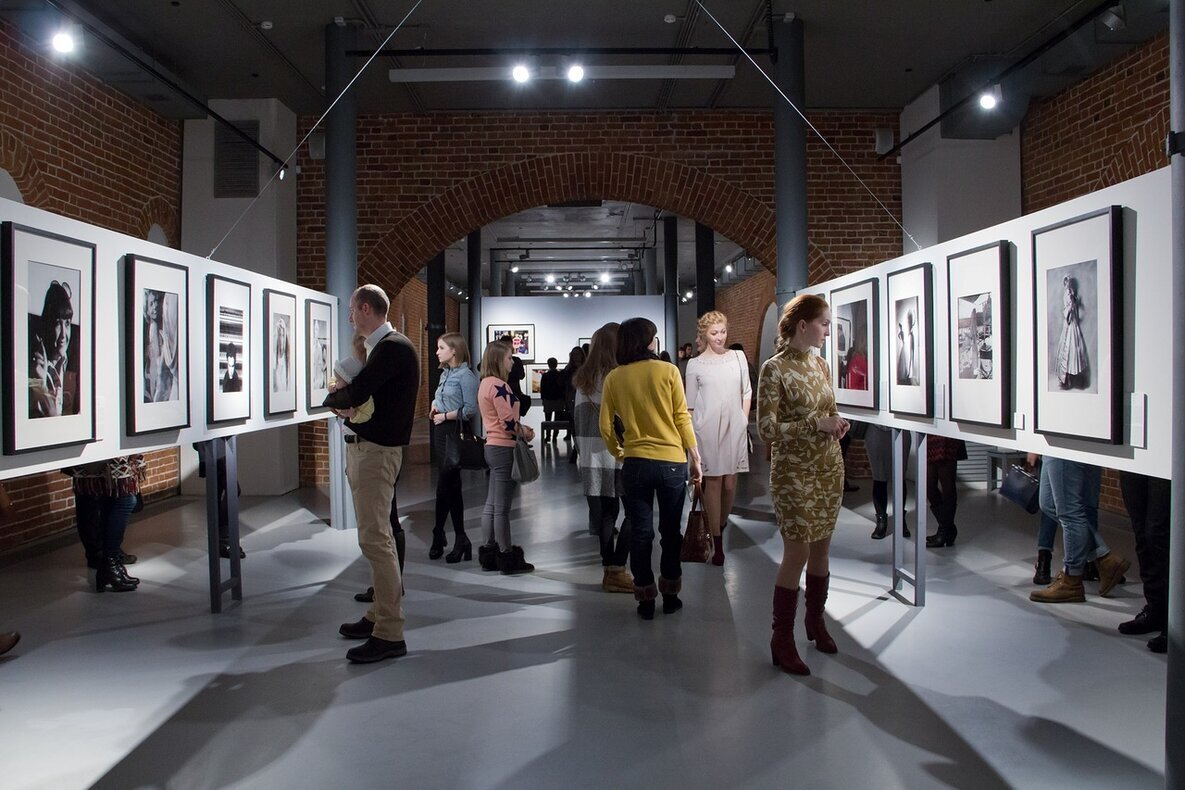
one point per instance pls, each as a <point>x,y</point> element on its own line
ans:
<point>986,275</point>
<point>148,412</point>
<point>901,399</point>
<point>315,311</point>
<point>279,401</point>
<point>227,404</point>
<point>1099,401</point>
<point>866,292</point>
<point>30,421</point>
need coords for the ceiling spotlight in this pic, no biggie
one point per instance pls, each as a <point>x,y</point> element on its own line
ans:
<point>575,72</point>
<point>520,73</point>
<point>63,42</point>
<point>604,277</point>
<point>567,295</point>
<point>587,294</point>
<point>266,24</point>
<point>596,287</point>
<point>728,268</point>
<point>283,172</point>
<point>550,278</point>
<point>990,98</point>
<point>514,269</point>
<point>687,295</point>
<point>1114,18</point>
<point>569,288</point>
<point>670,19</point>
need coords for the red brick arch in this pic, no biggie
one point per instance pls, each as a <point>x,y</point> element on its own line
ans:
<point>502,191</point>
<point>158,211</point>
<point>20,164</point>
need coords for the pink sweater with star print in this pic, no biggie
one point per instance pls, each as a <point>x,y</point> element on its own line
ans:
<point>499,411</point>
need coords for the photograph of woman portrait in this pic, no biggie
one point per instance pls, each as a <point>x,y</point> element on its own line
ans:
<point>160,346</point>
<point>281,373</point>
<point>54,340</point>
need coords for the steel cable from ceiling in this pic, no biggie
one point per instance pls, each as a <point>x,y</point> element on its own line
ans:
<point>810,125</point>
<point>314,127</point>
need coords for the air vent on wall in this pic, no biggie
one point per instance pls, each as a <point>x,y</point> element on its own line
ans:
<point>236,161</point>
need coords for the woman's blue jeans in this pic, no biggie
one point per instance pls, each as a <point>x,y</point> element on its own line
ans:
<point>1070,494</point>
<point>644,481</point>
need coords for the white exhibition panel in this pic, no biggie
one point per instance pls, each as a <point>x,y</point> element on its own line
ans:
<point>111,434</point>
<point>1145,342</point>
<point>559,323</point>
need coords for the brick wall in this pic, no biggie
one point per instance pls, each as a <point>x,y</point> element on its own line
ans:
<point>1106,129</point>
<point>79,149</point>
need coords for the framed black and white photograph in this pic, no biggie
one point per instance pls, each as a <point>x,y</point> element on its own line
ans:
<point>855,372</point>
<point>47,298</point>
<point>520,336</point>
<point>979,335</point>
<point>911,341</point>
<point>228,321</point>
<point>1077,320</point>
<point>318,326</point>
<point>279,356</point>
<point>156,337</point>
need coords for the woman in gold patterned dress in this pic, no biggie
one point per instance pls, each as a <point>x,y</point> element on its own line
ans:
<point>796,414</point>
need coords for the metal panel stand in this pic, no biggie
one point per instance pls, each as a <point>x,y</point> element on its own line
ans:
<point>917,579</point>
<point>341,506</point>
<point>213,452</point>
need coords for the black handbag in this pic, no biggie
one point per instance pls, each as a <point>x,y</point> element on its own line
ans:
<point>1022,487</point>
<point>463,449</point>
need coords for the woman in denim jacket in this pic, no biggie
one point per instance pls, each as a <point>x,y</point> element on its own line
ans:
<point>455,400</point>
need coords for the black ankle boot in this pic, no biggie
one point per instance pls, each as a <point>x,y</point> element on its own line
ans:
<point>439,541</point>
<point>487,556</point>
<point>882,527</point>
<point>462,550</point>
<point>512,562</point>
<point>1041,569</point>
<point>112,574</point>
<point>945,536</point>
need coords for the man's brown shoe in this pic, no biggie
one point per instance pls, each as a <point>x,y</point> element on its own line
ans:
<point>616,580</point>
<point>8,641</point>
<point>1065,589</point>
<point>1111,570</point>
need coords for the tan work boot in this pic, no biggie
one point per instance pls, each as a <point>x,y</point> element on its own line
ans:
<point>1065,589</point>
<point>1111,569</point>
<point>616,580</point>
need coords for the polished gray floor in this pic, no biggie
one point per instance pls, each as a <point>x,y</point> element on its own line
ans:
<point>543,681</point>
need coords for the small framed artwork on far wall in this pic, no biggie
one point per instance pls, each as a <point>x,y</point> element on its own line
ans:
<point>156,333</point>
<point>1078,321</point>
<point>910,341</point>
<point>228,366</point>
<point>855,373</point>
<point>279,354</point>
<point>520,336</point>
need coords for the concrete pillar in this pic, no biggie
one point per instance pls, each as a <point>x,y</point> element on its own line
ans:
<point>497,277</point>
<point>473,288</point>
<point>511,288</point>
<point>705,269</point>
<point>790,160</point>
<point>436,290</point>
<point>670,288</point>
<point>650,269</point>
<point>341,177</point>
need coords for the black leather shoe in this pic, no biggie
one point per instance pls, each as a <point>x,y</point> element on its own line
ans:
<point>439,541</point>
<point>365,597</point>
<point>848,487</point>
<point>882,527</point>
<point>359,630</point>
<point>224,551</point>
<point>127,559</point>
<point>462,550</point>
<point>1160,643</point>
<point>1143,623</point>
<point>1041,570</point>
<point>376,649</point>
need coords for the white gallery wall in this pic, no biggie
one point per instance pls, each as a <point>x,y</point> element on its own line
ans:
<point>560,322</point>
<point>1146,391</point>
<point>109,344</point>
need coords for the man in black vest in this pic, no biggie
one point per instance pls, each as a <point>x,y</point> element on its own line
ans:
<point>374,454</point>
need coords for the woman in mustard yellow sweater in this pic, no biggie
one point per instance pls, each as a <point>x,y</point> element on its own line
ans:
<point>647,394</point>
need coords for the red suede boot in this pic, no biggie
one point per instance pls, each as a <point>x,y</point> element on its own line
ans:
<point>816,599</point>
<point>781,645</point>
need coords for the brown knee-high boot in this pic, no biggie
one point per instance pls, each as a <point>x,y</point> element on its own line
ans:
<point>781,644</point>
<point>816,599</point>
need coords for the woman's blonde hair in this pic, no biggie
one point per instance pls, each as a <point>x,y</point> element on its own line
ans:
<point>707,319</point>
<point>456,341</point>
<point>493,361</point>
<point>358,345</point>
<point>804,307</point>
<point>602,358</point>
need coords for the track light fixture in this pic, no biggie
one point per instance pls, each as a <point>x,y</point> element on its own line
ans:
<point>990,98</point>
<point>575,72</point>
<point>520,73</point>
<point>63,41</point>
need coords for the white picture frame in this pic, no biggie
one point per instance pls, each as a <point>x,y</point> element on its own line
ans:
<point>156,334</point>
<point>228,344</point>
<point>911,340</point>
<point>280,334</point>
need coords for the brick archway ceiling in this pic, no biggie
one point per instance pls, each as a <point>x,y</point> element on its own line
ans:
<point>20,164</point>
<point>415,238</point>
<point>157,211</point>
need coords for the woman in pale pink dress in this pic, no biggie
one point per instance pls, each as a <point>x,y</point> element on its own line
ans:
<point>1071,350</point>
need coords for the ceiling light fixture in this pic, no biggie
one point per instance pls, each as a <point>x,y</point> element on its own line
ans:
<point>1114,18</point>
<point>550,278</point>
<point>990,98</point>
<point>687,295</point>
<point>604,277</point>
<point>520,73</point>
<point>63,42</point>
<point>575,72</point>
<point>728,268</point>
<point>587,294</point>
<point>514,269</point>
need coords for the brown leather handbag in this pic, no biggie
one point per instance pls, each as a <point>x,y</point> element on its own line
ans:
<point>697,540</point>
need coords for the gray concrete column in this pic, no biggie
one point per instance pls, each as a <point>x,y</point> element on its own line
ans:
<point>705,269</point>
<point>650,269</point>
<point>511,287</point>
<point>790,161</point>
<point>341,199</point>
<point>670,288</point>
<point>638,279</point>
<point>497,277</point>
<point>436,291</point>
<point>1174,726</point>
<point>473,288</point>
